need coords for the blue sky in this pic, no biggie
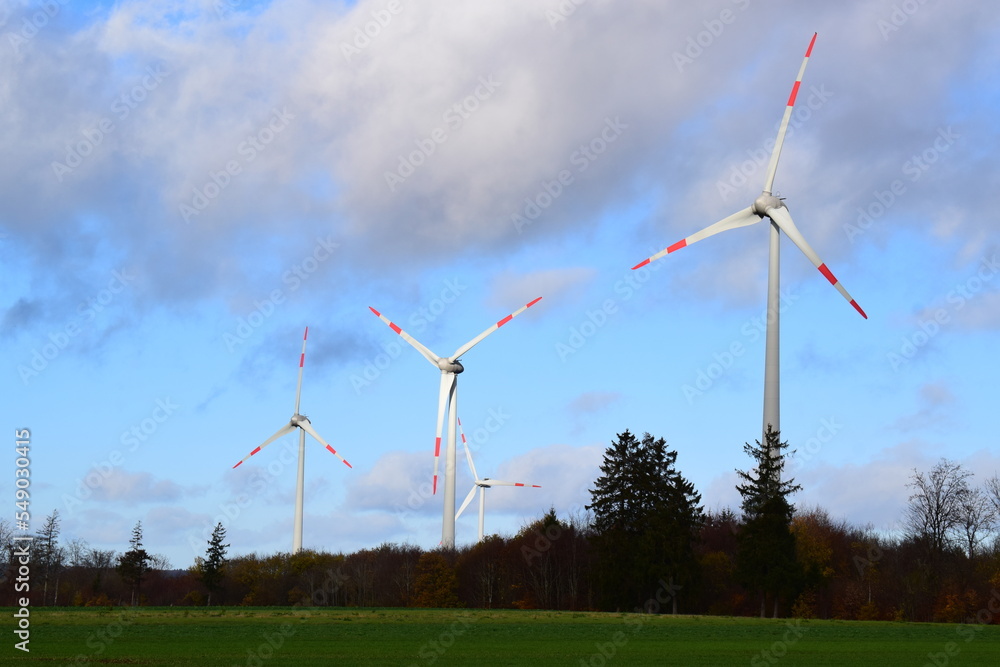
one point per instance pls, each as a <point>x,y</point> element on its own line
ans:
<point>190,184</point>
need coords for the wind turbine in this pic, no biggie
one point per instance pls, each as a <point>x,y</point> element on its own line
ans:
<point>448,403</point>
<point>769,206</point>
<point>302,423</point>
<point>482,485</point>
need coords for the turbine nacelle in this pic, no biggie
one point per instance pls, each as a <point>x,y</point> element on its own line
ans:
<point>298,419</point>
<point>449,366</point>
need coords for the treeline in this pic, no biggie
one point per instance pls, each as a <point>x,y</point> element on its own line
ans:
<point>646,545</point>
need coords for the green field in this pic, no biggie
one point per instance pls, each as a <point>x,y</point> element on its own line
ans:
<point>301,637</point>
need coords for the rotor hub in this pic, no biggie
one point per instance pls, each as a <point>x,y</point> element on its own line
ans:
<point>299,419</point>
<point>765,201</point>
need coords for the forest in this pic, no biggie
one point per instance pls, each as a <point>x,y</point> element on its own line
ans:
<point>645,545</point>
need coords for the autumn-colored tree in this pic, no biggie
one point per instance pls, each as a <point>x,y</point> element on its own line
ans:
<point>436,584</point>
<point>813,532</point>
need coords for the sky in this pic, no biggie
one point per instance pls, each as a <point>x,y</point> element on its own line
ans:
<point>188,184</point>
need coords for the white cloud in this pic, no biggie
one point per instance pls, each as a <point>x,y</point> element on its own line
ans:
<point>554,285</point>
<point>120,486</point>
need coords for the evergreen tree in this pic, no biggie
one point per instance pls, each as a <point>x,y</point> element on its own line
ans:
<point>134,563</point>
<point>215,561</point>
<point>765,558</point>
<point>646,520</point>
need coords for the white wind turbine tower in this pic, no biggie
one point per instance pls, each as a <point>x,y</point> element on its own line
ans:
<point>482,485</point>
<point>769,206</point>
<point>302,423</point>
<point>448,403</point>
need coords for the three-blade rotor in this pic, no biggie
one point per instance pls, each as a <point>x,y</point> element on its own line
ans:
<point>450,367</point>
<point>481,484</point>
<point>298,421</point>
<point>767,205</point>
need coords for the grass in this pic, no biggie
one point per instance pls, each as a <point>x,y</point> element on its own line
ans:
<point>255,637</point>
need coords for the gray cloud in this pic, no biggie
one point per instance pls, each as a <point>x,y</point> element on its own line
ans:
<point>304,137</point>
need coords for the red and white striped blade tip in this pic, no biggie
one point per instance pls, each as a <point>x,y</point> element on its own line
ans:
<point>828,274</point>
<point>247,457</point>
<point>340,457</point>
<point>507,319</point>
<point>669,249</point>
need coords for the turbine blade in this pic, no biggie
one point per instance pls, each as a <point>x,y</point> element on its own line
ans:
<point>783,219</point>
<point>444,394</point>
<point>738,219</point>
<point>468,499</point>
<point>468,454</point>
<point>475,341</point>
<point>497,482</point>
<point>302,363</point>
<point>307,427</point>
<point>783,128</point>
<point>284,430</point>
<point>430,356</point>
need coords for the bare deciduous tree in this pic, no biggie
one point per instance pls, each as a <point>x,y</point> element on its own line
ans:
<point>992,487</point>
<point>935,512</point>
<point>977,519</point>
